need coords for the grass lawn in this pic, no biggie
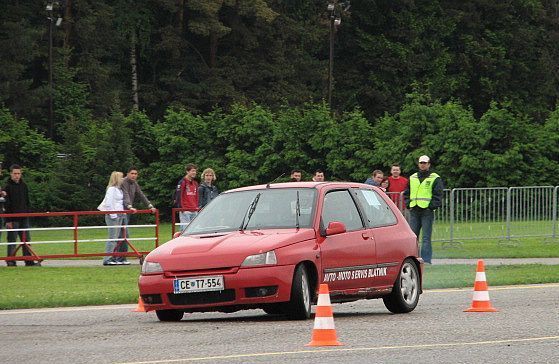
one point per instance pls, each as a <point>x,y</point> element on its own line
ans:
<point>476,249</point>
<point>41,240</point>
<point>75,286</point>
<point>483,247</point>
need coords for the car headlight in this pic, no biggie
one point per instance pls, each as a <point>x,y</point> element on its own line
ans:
<point>260,259</point>
<point>151,267</point>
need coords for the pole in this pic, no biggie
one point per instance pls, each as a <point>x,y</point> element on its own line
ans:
<point>51,118</point>
<point>331,59</point>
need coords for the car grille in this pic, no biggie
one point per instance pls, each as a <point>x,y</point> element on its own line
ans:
<point>201,272</point>
<point>201,298</point>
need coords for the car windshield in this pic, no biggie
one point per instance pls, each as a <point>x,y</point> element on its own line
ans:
<point>255,210</point>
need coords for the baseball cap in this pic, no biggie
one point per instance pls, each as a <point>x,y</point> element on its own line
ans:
<point>424,158</point>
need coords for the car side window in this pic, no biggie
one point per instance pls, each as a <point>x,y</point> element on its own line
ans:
<point>339,206</point>
<point>377,211</point>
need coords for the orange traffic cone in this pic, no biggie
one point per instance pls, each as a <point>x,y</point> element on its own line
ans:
<point>140,307</point>
<point>481,302</point>
<point>324,332</point>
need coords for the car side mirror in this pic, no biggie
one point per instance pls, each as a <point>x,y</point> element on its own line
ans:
<point>335,227</point>
<point>176,235</point>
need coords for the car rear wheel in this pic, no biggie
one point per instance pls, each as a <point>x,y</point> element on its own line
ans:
<point>405,293</point>
<point>169,315</point>
<point>299,307</point>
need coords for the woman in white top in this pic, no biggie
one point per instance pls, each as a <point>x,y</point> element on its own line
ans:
<point>113,201</point>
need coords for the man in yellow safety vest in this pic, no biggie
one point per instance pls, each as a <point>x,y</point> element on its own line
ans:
<point>423,196</point>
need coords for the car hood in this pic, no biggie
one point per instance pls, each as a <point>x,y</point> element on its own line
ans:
<point>224,249</point>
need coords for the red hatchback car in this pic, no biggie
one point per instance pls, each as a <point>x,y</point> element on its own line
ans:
<point>270,246</point>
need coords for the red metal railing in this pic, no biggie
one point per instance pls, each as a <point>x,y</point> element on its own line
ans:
<point>76,228</point>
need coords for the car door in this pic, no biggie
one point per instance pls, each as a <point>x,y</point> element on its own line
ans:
<point>387,235</point>
<point>346,257</point>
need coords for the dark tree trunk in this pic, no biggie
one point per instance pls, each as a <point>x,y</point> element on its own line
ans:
<point>134,73</point>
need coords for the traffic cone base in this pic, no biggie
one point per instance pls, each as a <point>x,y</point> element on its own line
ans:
<point>324,331</point>
<point>140,307</point>
<point>480,301</point>
<point>324,337</point>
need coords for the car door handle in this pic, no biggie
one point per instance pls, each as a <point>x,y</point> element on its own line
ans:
<point>367,235</point>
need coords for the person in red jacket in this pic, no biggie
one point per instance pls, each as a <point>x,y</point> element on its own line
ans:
<point>186,195</point>
<point>396,185</point>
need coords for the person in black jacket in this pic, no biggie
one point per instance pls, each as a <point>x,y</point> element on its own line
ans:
<point>207,191</point>
<point>17,201</point>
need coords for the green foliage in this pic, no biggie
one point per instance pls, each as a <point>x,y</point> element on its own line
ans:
<point>498,150</point>
<point>20,144</point>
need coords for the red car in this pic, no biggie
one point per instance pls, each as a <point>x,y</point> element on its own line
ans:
<point>270,246</point>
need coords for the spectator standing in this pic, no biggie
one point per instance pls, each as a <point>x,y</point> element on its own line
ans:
<point>113,201</point>
<point>318,176</point>
<point>376,178</point>
<point>186,195</point>
<point>207,191</point>
<point>131,191</point>
<point>396,185</point>
<point>296,175</point>
<point>17,201</point>
<point>423,197</point>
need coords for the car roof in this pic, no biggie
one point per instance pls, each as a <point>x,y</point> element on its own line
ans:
<point>311,184</point>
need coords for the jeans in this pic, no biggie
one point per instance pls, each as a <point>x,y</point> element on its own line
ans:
<point>21,223</point>
<point>422,219</point>
<point>123,234</point>
<point>186,217</point>
<point>114,231</point>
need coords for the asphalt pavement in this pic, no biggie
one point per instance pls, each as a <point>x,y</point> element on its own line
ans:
<point>525,330</point>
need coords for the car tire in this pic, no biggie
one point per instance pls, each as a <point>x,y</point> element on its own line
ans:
<point>405,293</point>
<point>299,307</point>
<point>169,315</point>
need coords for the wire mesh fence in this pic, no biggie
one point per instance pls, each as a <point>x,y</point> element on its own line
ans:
<point>501,213</point>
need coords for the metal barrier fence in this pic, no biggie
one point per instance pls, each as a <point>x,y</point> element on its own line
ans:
<point>499,213</point>
<point>81,240</point>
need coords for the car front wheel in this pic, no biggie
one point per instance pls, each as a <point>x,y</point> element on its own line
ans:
<point>299,307</point>
<point>169,315</point>
<point>405,293</point>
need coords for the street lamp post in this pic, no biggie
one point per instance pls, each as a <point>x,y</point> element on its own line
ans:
<point>51,111</point>
<point>50,9</point>
<point>335,10</point>
<point>332,10</point>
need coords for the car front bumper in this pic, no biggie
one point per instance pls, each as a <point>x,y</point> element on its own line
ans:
<point>246,288</point>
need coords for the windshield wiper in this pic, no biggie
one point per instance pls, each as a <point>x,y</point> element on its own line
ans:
<point>249,212</point>
<point>297,211</point>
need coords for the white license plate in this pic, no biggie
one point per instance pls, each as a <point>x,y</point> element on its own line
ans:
<point>198,284</point>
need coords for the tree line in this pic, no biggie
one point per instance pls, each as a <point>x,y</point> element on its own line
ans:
<point>251,144</point>
<point>239,86</point>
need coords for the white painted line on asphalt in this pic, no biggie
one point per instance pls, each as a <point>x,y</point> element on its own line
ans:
<point>66,309</point>
<point>373,348</point>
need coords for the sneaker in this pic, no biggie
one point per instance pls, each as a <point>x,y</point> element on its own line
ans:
<point>32,264</point>
<point>110,262</point>
<point>11,264</point>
